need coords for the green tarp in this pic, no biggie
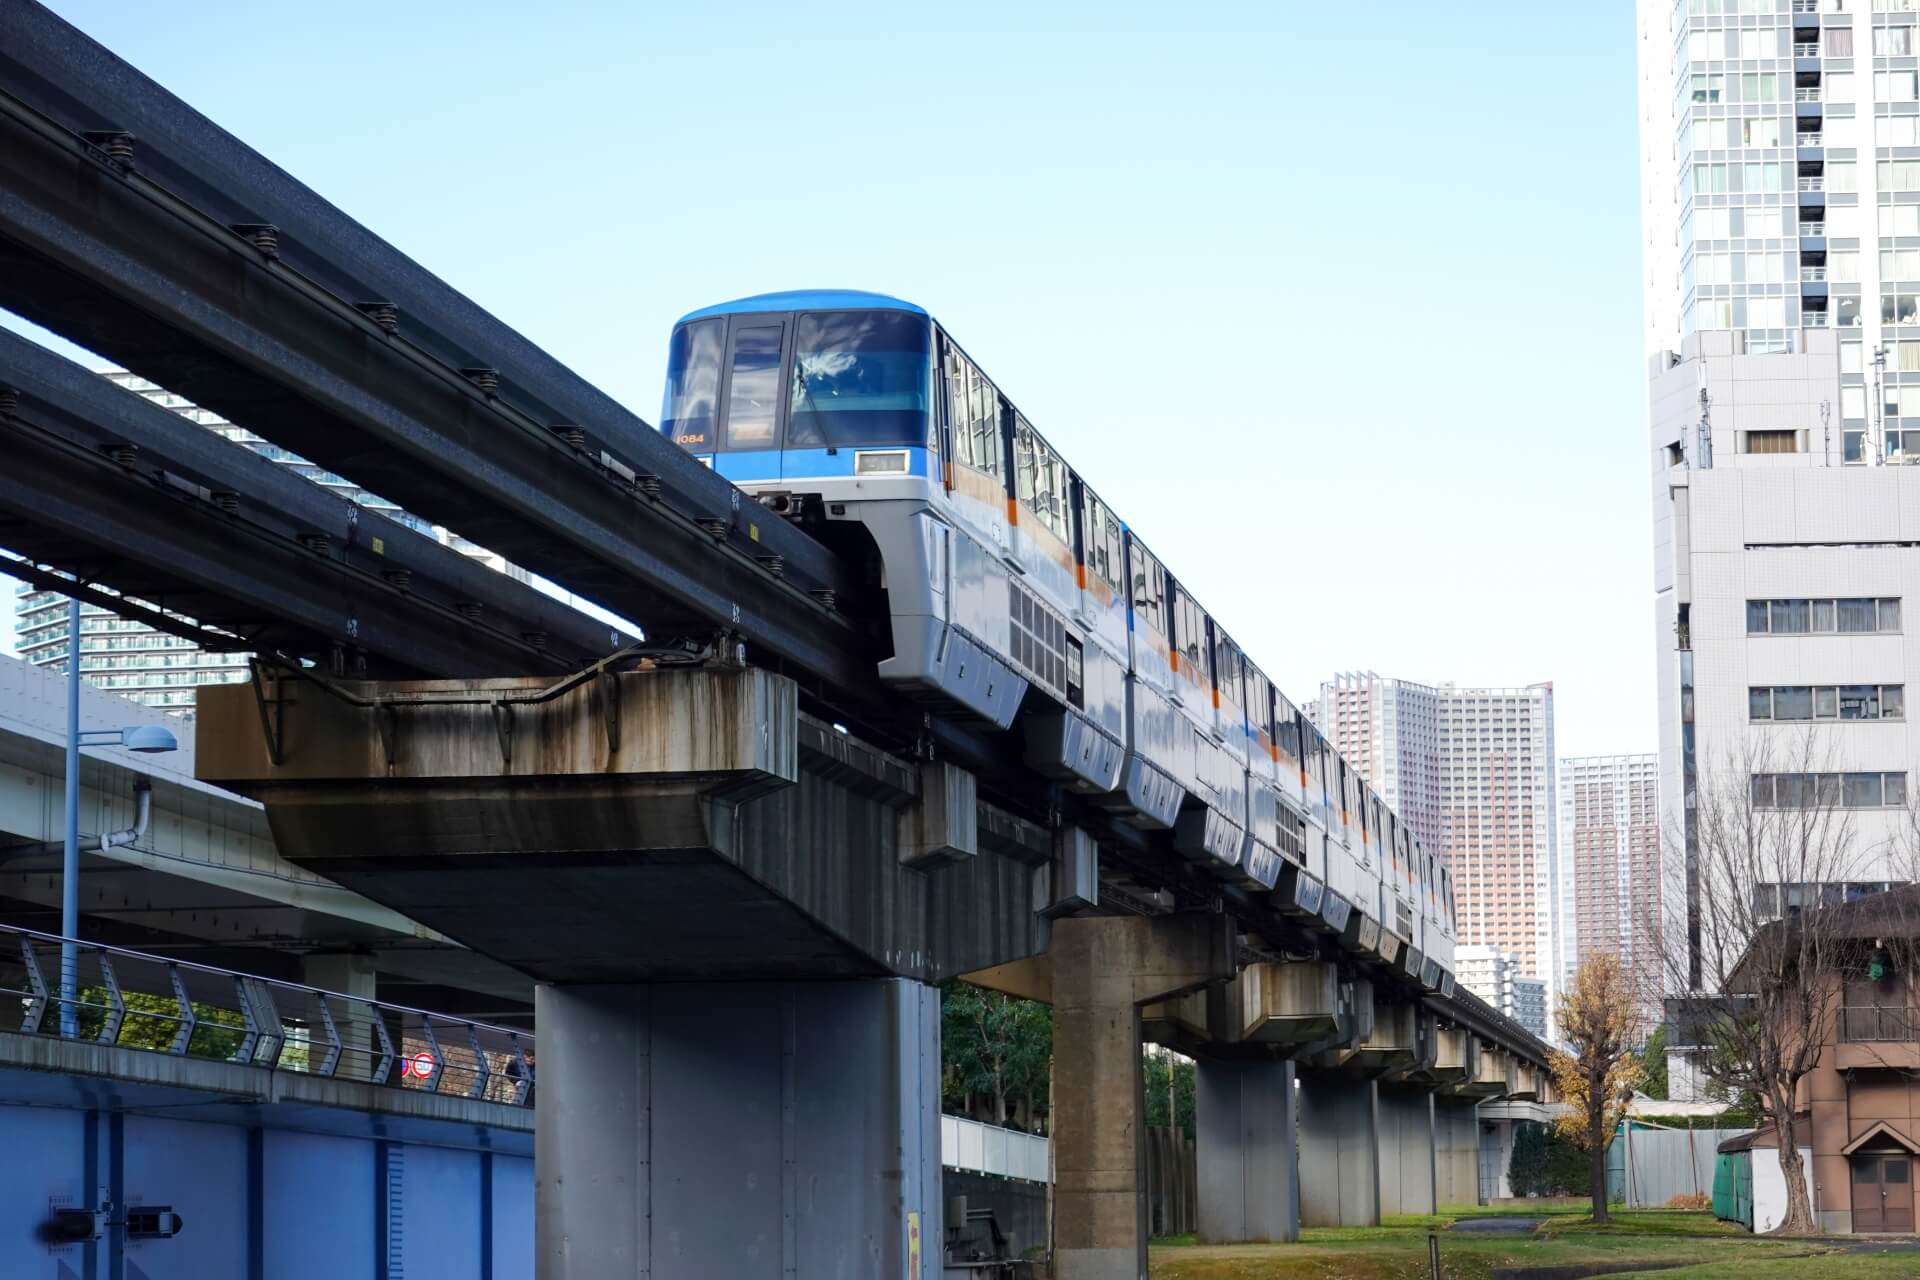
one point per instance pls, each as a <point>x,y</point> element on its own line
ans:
<point>1733,1188</point>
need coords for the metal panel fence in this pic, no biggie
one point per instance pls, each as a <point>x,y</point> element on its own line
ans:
<point>1649,1167</point>
<point>988,1148</point>
<point>131,1000</point>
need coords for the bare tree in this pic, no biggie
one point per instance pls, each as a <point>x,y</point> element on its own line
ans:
<point>1599,1016</point>
<point>1749,946</point>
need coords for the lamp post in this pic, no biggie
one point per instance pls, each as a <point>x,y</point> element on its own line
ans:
<point>145,738</point>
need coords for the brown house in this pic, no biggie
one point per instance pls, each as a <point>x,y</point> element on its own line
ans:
<point>1860,1108</point>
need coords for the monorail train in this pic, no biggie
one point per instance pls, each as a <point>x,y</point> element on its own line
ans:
<point>1018,597</point>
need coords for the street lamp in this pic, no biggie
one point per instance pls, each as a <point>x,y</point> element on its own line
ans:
<point>144,738</point>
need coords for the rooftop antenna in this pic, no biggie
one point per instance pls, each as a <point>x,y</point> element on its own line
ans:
<point>1879,405</point>
<point>1705,450</point>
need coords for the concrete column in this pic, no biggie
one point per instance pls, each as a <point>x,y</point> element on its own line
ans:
<point>1244,1114</point>
<point>1104,969</point>
<point>1340,1150</point>
<point>1406,1149</point>
<point>352,976</point>
<point>1456,1150</point>
<point>739,1131</point>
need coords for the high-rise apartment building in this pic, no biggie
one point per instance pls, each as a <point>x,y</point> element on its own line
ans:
<point>152,667</point>
<point>1780,193</point>
<point>1390,731</point>
<point>1610,849</point>
<point>1471,770</point>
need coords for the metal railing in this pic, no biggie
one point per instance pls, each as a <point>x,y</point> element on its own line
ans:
<point>1862,1023</point>
<point>1806,6</point>
<point>1813,183</point>
<point>133,1000</point>
<point>1813,229</point>
<point>1811,50</point>
<point>1813,319</point>
<point>1806,93</point>
<point>989,1148</point>
<point>1813,273</point>
<point>1812,139</point>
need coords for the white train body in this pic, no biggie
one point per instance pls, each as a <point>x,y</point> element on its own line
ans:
<point>1015,596</point>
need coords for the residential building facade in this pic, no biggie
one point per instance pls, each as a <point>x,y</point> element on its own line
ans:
<point>1472,771</point>
<point>150,666</point>
<point>1781,209</point>
<point>1610,848</point>
<point>1494,976</point>
<point>1530,1005</point>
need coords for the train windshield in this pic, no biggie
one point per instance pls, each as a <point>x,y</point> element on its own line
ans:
<point>690,416</point>
<point>855,378</point>
<point>859,377</point>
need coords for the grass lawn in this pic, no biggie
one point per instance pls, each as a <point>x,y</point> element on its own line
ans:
<point>1398,1251</point>
<point>1885,1266</point>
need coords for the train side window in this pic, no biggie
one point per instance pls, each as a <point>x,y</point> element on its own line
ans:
<point>973,416</point>
<point>1259,701</point>
<point>1102,540</point>
<point>1039,478</point>
<point>1149,588</point>
<point>1189,627</point>
<point>983,423</point>
<point>956,403</point>
<point>1226,668</point>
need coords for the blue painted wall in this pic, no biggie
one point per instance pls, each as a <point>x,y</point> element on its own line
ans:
<point>512,1216</point>
<point>45,1158</point>
<point>201,1171</point>
<point>274,1204</point>
<point>309,1179</point>
<point>445,1241</point>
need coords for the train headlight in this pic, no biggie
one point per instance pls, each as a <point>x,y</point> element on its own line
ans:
<point>891,463</point>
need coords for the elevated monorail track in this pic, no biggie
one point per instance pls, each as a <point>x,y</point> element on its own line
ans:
<point>137,228</point>
<point>103,488</point>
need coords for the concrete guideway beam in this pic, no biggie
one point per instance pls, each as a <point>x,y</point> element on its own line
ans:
<point>1103,970</point>
<point>738,1131</point>
<point>678,823</point>
<point>1267,1011</point>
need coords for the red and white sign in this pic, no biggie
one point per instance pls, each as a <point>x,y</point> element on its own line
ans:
<point>420,1064</point>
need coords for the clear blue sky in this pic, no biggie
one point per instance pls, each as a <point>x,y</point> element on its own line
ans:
<point>1338,306</point>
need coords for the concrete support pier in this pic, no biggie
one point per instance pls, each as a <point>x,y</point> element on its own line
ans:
<point>1244,1116</point>
<point>1103,970</point>
<point>1456,1150</point>
<point>747,1131</point>
<point>351,975</point>
<point>1340,1147</point>
<point>1406,1149</point>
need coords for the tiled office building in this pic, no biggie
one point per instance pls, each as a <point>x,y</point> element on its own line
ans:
<point>1780,145</point>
